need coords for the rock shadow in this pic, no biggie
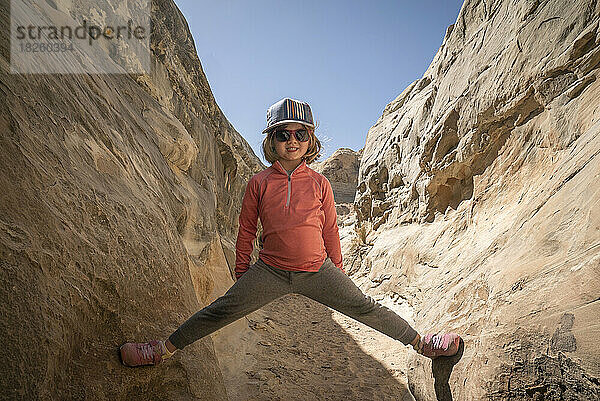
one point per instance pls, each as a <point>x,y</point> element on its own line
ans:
<point>302,352</point>
<point>441,368</point>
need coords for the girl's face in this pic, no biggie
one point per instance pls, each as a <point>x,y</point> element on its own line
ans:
<point>290,152</point>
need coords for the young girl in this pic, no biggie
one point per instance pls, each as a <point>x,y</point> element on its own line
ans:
<point>301,250</point>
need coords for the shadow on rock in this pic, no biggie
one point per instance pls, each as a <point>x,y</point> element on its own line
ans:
<point>442,368</point>
<point>301,352</point>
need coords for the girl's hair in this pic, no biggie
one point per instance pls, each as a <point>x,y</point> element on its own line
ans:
<point>312,154</point>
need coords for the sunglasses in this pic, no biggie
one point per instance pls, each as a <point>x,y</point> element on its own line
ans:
<point>284,135</point>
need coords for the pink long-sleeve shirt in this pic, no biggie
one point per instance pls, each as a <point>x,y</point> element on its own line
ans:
<point>299,220</point>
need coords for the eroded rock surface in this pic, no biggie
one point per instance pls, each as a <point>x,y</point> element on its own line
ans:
<point>341,169</point>
<point>478,203</point>
<point>118,216</point>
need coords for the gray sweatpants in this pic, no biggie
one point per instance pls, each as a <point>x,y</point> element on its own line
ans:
<point>262,283</point>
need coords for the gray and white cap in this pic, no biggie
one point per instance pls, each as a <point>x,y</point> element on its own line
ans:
<point>288,111</point>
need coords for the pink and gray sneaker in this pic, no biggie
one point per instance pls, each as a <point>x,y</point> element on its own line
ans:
<point>434,345</point>
<point>141,354</point>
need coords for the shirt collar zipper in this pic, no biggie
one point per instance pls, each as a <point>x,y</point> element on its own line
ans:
<point>289,189</point>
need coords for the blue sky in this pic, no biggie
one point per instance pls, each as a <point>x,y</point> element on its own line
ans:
<point>347,59</point>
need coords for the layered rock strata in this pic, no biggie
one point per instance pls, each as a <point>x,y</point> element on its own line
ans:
<point>118,215</point>
<point>478,203</point>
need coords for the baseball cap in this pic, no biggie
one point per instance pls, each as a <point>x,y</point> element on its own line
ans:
<point>288,111</point>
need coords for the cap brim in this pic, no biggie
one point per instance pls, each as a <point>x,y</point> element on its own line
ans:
<point>280,123</point>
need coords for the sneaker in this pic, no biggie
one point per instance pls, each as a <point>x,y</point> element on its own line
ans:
<point>141,354</point>
<point>434,345</point>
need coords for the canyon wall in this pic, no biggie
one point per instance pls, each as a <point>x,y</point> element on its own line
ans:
<point>478,203</point>
<point>118,219</point>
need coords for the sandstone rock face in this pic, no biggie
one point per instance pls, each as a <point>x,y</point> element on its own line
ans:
<point>341,169</point>
<point>478,203</point>
<point>118,216</point>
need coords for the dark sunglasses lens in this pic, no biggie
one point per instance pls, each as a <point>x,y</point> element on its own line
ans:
<point>302,135</point>
<point>282,136</point>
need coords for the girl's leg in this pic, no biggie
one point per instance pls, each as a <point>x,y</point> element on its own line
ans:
<point>257,287</point>
<point>332,287</point>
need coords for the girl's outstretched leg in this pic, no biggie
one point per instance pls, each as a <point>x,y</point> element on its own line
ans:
<point>332,287</point>
<point>257,287</point>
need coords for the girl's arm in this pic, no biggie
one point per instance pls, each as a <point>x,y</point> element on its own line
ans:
<point>247,231</point>
<point>331,236</point>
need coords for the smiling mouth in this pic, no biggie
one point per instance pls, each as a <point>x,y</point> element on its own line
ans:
<point>292,149</point>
